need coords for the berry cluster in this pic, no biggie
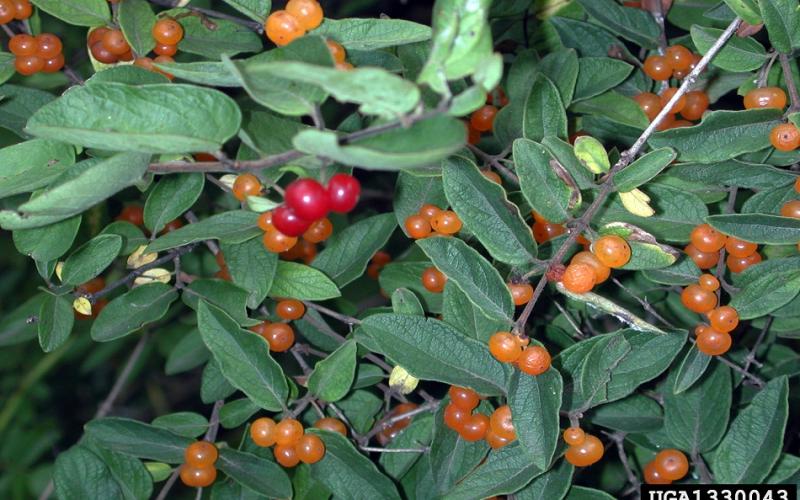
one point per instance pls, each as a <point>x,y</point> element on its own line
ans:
<point>701,298</point>
<point>280,336</point>
<point>584,449</point>
<point>299,16</point>
<point>292,445</point>
<point>378,262</point>
<point>482,119</point>
<point>705,243</point>
<point>677,62</point>
<point>109,46</point>
<point>587,269</point>
<point>389,432</point>
<point>784,136</point>
<point>11,10</point>
<point>92,286</point>
<point>431,220</point>
<point>433,280</point>
<point>497,430</point>
<point>37,53</point>
<point>198,469</point>
<point>168,33</point>
<point>667,466</point>
<point>509,348</point>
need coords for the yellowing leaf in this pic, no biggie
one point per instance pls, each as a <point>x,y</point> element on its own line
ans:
<point>83,306</point>
<point>637,203</point>
<point>138,258</point>
<point>402,381</point>
<point>158,274</point>
<point>228,180</point>
<point>59,268</point>
<point>592,154</point>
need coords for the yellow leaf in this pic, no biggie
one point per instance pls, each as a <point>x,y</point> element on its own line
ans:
<point>228,180</point>
<point>138,258</point>
<point>83,306</point>
<point>402,381</point>
<point>637,203</point>
<point>157,274</point>
<point>592,154</point>
<point>59,268</point>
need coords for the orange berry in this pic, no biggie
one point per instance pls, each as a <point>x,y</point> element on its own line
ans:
<point>696,299</point>
<point>574,436</point>
<point>54,65</point>
<point>277,242</point>
<point>168,31</point>
<point>417,227</point>
<point>163,49</point>
<point>288,432</point>
<point>446,222</point>
<point>696,104</point>
<point>704,260</point>
<point>672,464</point>
<point>455,417</point>
<point>492,176</point>
<point>307,12</point>
<point>601,271</point>
<point>198,477</point>
<point>337,51</point>
<point>429,211</point>
<point>707,239</point>
<point>708,282</point>
<point>114,42</point>
<point>784,137</point>
<point>658,67</point>
<point>765,97</point>
<point>590,451</point>
<point>791,209</point>
<point>475,427</point>
<point>246,185</point>
<point>482,119</point>
<point>473,136</point>
<point>133,214</point>
<point>652,475</point>
<point>286,455</point>
<point>579,278</point>
<point>501,423</point>
<point>612,251</point>
<point>534,360</point>
<point>399,410</point>
<point>262,432</point>
<point>650,104</point>
<point>739,264</point>
<point>545,231</point>
<point>94,285</point>
<point>713,343</point>
<point>724,319</point>
<point>680,73</point>
<point>141,62</point>
<point>433,280</point>
<point>200,454</point>
<point>667,95</point>
<point>23,9</point>
<point>381,258</point>
<point>740,248</point>
<point>797,185</point>
<point>49,46</point>
<point>504,347</point>
<point>680,58</point>
<point>319,231</point>
<point>521,293</point>
<point>22,45</point>
<point>331,424</point>
<point>28,65</point>
<point>310,449</point>
<point>494,440</point>
<point>463,397</point>
<point>290,309</point>
<point>280,336</point>
<point>264,222</point>
<point>282,28</point>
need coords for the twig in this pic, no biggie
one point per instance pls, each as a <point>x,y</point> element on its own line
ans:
<point>645,305</point>
<point>72,75</point>
<point>213,421</point>
<point>789,78</point>
<point>389,420</point>
<point>751,356</point>
<point>763,73</point>
<point>316,117</point>
<point>492,160</point>
<point>719,272</point>
<point>702,469</point>
<point>349,320</point>
<point>619,441</point>
<point>757,381</point>
<point>251,25</point>
<point>162,495</point>
<point>570,320</point>
<point>8,31</point>
<point>325,329</point>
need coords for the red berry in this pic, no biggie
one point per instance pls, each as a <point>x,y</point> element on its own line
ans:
<point>308,199</point>
<point>482,120</point>
<point>521,293</point>
<point>464,398</point>
<point>696,104</point>
<point>286,220</point>
<point>680,58</point>
<point>652,475</point>
<point>114,42</point>
<point>740,248</point>
<point>650,103</point>
<point>343,193</point>
<point>579,278</point>
<point>28,65</point>
<point>168,31</point>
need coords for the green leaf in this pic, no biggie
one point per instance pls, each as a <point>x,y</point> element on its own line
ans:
<point>587,38</point>
<point>692,367</point>
<point>738,54</point>
<point>458,311</point>
<point>758,228</point>
<point>583,493</point>
<point>96,182</point>
<point>349,473</point>
<point>371,34</point>
<point>636,25</point>
<point>79,473</point>
<point>7,69</point>
<point>172,196</point>
<point>243,358</point>
<point>210,73</point>
<point>213,385</point>
<point>33,164</point>
<point>535,402</point>
<point>599,74</point>
<point>348,252</point>
<point>49,242</point>
<point>132,311</point>
<point>132,75</point>
<point>15,326</point>
<point>432,350</point>
<point>407,275</point>
<point>118,117</point>
<point>753,443</point>
<point>746,9</point>
<point>184,423</point>
<point>598,367</point>
<point>411,192</point>
<point>784,470</point>
<point>650,256</point>
<point>302,282</point>
<point>561,68</point>
<point>236,226</point>
<point>360,408</point>
<point>635,413</point>
<point>235,413</point>
<point>766,293</point>
<point>262,476</point>
<point>486,212</point>
<point>451,457</point>
<point>552,485</point>
<point>541,186</point>
<point>643,169</point>
<point>55,322</point>
<point>733,173</point>
<point>418,433</point>
<point>83,13</point>
<point>420,145</point>
<point>544,113</point>
<point>217,39</point>
<point>473,274</point>
<point>565,154</point>
<point>504,472</point>
<point>223,294</point>
<point>251,268</point>
<point>257,10</point>
<point>18,104</point>
<point>189,352</point>
<point>91,259</point>
<point>615,107</point>
<point>684,272</point>
<point>133,479</point>
<point>136,19</point>
<point>696,419</point>
<point>137,439</point>
<point>783,23</point>
<point>333,376</point>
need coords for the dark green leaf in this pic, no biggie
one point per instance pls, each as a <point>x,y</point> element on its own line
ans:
<point>503,472</point>
<point>213,40</point>
<point>230,298</point>
<point>55,322</point>
<point>15,325</point>
<point>19,103</point>
<point>782,21</point>
<point>738,54</point>
<point>643,169</point>
<point>451,457</point>
<point>138,439</point>
<point>251,268</point>
<point>458,311</point>
<point>535,402</point>
<point>615,107</point>
<point>637,25</point>
<point>91,258</point>
<point>133,310</point>
<point>541,186</point>
<point>133,479</point>
<point>418,433</point>
<point>408,275</point>
<point>190,352</point>
<point>172,196</point>
<point>136,19</point>
<point>684,272</point>
<point>79,473</point>
<point>235,226</point>
<point>237,412</point>
<point>412,191</point>
<point>258,10</point>
<point>552,485</point>
<point>49,242</point>
<point>210,73</point>
<point>599,74</point>
<point>561,67</point>
<point>262,476</point>
<point>733,173</point>
<point>371,34</point>
<point>83,13</point>
<point>692,367</point>
<point>635,413</point>
<point>302,282</point>
<point>184,423</point>
<point>766,293</point>
<point>583,493</point>
<point>33,164</point>
<point>333,376</point>
<point>544,113</point>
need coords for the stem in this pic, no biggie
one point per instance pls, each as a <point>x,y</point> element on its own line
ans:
<point>719,272</point>
<point>251,25</point>
<point>108,403</point>
<point>325,329</point>
<point>492,160</point>
<point>388,421</point>
<point>702,469</point>
<point>619,440</point>
<point>349,320</point>
<point>751,356</point>
<point>789,78</point>
<point>645,305</point>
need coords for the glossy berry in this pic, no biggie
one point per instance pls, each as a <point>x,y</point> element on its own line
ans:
<point>433,280</point>
<point>601,271</point>
<point>264,222</point>
<point>579,278</point>
<point>574,436</point>
<point>504,347</point>
<point>455,417</point>
<point>307,12</point>
<point>703,260</point>
<point>791,209</point>
<point>288,222</point>
<point>429,211</point>
<point>521,293</point>
<point>672,464</point>
<point>739,248</point>
<point>446,222</point>
<point>765,97</point>
<point>200,454</point>
<point>681,73</point>
<point>785,137</point>
<point>696,299</point>
<point>262,432</point>
<point>331,424</point>
<point>658,67</point>
<point>343,193</point>
<point>652,475</point>
<point>280,336</point>
<point>286,455</point>
<point>417,227</point>
<point>545,231</point>
<point>54,65</point>
<point>463,397</point>
<point>308,198</point>
<point>7,11</point>
<point>22,9</point>
<point>534,360</point>
<point>319,231</point>
<point>482,119</point>
<point>114,42</point>
<point>310,449</point>
<point>246,185</point>
<point>277,242</point>
<point>28,65</point>
<point>198,477</point>
<point>667,95</point>
<point>612,251</point>
<point>163,49</point>
<point>288,432</point>
<point>707,239</point>
<point>168,31</point>
<point>650,104</point>
<point>501,423</point>
<point>133,214</point>
<point>713,343</point>
<point>590,451</point>
<point>739,264</point>
<point>338,53</point>
<point>163,60</point>
<point>474,429</point>
<point>22,45</point>
<point>399,410</point>
<point>708,282</point>
<point>679,57</point>
<point>96,35</point>
<point>494,440</point>
<point>696,104</point>
<point>282,28</point>
<point>290,309</point>
<point>724,319</point>
<point>797,185</point>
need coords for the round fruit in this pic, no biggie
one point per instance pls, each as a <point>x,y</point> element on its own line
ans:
<point>455,417</point>
<point>307,12</point>
<point>168,31</point>
<point>246,185</point>
<point>501,424</point>
<point>612,251</point>
<point>601,271</point>
<point>579,278</point>
<point>707,239</point>
<point>740,248</point>
<point>652,475</point>
<point>163,49</point>
<point>133,214</point>
<point>724,319</point>
<point>200,454</point>
<point>331,424</point>
<point>288,432</point>
<point>54,65</point>
<point>22,9</point>
<point>429,211</point>
<point>494,440</point>
<point>433,280</point>
<point>574,436</point>
<point>94,285</point>
<point>290,309</point>
<point>264,222</point>
<point>545,231</point>
<point>504,347</point>
<point>474,429</point>
<point>417,227</point>
<point>28,65</point>
<point>534,360</point>
<point>114,42</point>
<point>650,104</point>
<point>319,231</point>
<point>708,282</point>
<point>696,104</point>
<point>785,137</point>
<point>703,260</point>
<point>765,97</point>
<point>797,185</point>
<point>22,45</point>
<point>308,199</point>
<point>464,398</point>
<point>262,432</point>
<point>310,449</point>
<point>7,11</point>
<point>282,28</point>
<point>739,264</point>
<point>337,51</point>
<point>277,242</point>
<point>162,60</point>
<point>713,343</point>
<point>286,455</point>
<point>482,119</point>
<point>492,176</point>
<point>667,95</point>
<point>280,336</point>
<point>680,58</point>
<point>288,222</point>
<point>658,67</point>
<point>791,209</point>
<point>446,222</point>
<point>343,193</point>
<point>672,464</point>
<point>587,453</point>
<point>399,410</point>
<point>697,299</point>
<point>521,293</point>
<point>198,477</point>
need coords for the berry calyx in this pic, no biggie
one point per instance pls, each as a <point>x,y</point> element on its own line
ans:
<point>246,185</point>
<point>574,436</point>
<point>417,227</point>
<point>198,477</point>
<point>724,319</point>
<point>307,12</point>
<point>671,464</point>
<point>658,67</point>
<point>200,454</point>
<point>310,449</point>
<point>343,193</point>
<point>579,278</point>
<point>504,347</point>
<point>463,397</point>
<point>521,293</point>
<point>501,423</point>
<point>168,32</point>
<point>697,299</point>
<point>319,231</point>
<point>712,342</point>
<point>588,452</point>
<point>331,424</point>
<point>707,239</point>
<point>262,432</point>
<point>289,222</point>
<point>282,28</point>
<point>612,251</point>
<point>433,280</point>
<point>534,360</point>
<point>308,198</point>
<point>446,222</point>
<point>288,432</point>
<point>765,97</point>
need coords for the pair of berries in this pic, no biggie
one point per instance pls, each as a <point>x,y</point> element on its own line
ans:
<point>15,9</point>
<point>667,466</point>
<point>590,268</point>
<point>544,230</point>
<point>299,16</point>
<point>168,33</point>
<point>497,430</point>
<point>292,444</point>
<point>109,46</point>
<point>431,219</point>
<point>389,432</point>
<point>584,449</point>
<point>198,469</point>
<point>377,263</point>
<point>691,106</point>
<point>34,54</point>
<point>279,336</point>
<point>509,348</point>
<point>677,62</point>
<point>302,250</point>
<point>705,243</point>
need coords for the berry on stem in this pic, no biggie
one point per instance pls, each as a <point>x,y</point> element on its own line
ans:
<point>708,282</point>
<point>739,264</point>
<point>652,474</point>
<point>286,455</point>
<point>475,427</point>
<point>696,104</point>
<point>791,209</point>
<point>290,309</point>
<point>246,185</point>
<point>703,260</point>
<point>455,416</point>
<point>310,449</point>
<point>588,452</point>
<point>282,28</point>
<point>331,424</point>
<point>574,436</point>
<point>463,397</point>
<point>650,103</point>
<point>504,347</point>
<point>707,239</point>
<point>482,119</point>
<point>712,342</point>
<point>22,45</point>
<point>785,137</point>
<point>319,231</point>
<point>724,319</point>
<point>433,280</point>
<point>521,293</point>
<point>280,336</point>
<point>740,248</point>
<point>262,432</point>
<point>679,57</point>
<point>198,477</point>
<point>200,454</point>
<point>307,12</point>
<point>601,271</point>
<point>501,423</point>
<point>277,242</point>
<point>288,432</point>
<point>612,251</point>
<point>658,67</point>
<point>446,222</point>
<point>343,193</point>
<point>534,360</point>
<point>417,227</point>
<point>672,464</point>
<point>494,440</point>
<point>308,198</point>
<point>765,97</point>
<point>697,299</point>
<point>289,222</point>
<point>667,95</point>
<point>579,278</point>
<point>168,31</point>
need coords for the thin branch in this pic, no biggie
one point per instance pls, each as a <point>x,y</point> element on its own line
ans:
<point>751,356</point>
<point>789,78</point>
<point>492,160</point>
<point>390,420</point>
<point>578,333</point>
<point>162,495</point>
<point>757,381</point>
<point>213,421</point>
<point>325,329</point>
<point>108,403</point>
<point>619,441</point>
<point>251,25</point>
<point>645,305</point>
<point>763,73</point>
<point>7,30</point>
<point>702,469</point>
<point>349,320</point>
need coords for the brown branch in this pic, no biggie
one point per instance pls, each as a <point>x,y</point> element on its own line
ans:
<point>789,79</point>
<point>251,25</point>
<point>348,320</point>
<point>389,420</point>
